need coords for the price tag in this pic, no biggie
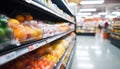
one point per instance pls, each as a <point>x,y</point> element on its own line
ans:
<point>31,48</point>
<point>36,46</point>
<point>17,42</point>
<point>47,41</point>
<point>7,57</point>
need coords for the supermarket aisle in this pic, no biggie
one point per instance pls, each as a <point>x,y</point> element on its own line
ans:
<point>95,53</point>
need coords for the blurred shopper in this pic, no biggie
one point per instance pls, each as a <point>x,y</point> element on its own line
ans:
<point>106,25</point>
<point>99,27</point>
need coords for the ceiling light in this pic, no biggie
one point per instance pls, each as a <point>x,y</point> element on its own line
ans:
<point>84,14</point>
<point>116,13</point>
<point>96,16</point>
<point>111,16</point>
<point>102,13</point>
<point>89,9</point>
<point>92,2</point>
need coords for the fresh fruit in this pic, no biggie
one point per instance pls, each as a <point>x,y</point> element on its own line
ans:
<point>29,34</point>
<point>2,34</point>
<point>28,17</point>
<point>20,34</point>
<point>0,25</point>
<point>19,65</point>
<point>30,31</point>
<point>14,21</point>
<point>8,32</point>
<point>20,18</point>
<point>4,22</point>
<point>38,32</point>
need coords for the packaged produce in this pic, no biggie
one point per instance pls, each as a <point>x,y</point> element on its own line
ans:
<point>6,33</point>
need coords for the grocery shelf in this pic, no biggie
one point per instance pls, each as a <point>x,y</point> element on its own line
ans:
<point>116,33</point>
<point>63,57</point>
<point>117,28</point>
<point>64,6</point>
<point>70,58</point>
<point>115,41</point>
<point>38,6</point>
<point>23,49</point>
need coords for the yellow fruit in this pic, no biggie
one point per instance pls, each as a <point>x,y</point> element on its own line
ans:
<point>38,32</point>
<point>14,21</point>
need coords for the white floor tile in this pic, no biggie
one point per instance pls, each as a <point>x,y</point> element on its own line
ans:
<point>94,52</point>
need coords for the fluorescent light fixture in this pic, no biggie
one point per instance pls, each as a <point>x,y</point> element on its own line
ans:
<point>111,16</point>
<point>88,16</point>
<point>92,2</point>
<point>96,16</point>
<point>89,9</point>
<point>116,13</point>
<point>82,14</point>
<point>102,13</point>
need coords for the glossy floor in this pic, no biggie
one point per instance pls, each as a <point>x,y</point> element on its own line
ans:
<point>94,52</point>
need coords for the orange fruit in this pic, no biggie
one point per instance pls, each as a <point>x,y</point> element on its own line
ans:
<point>28,17</point>
<point>20,34</point>
<point>20,18</point>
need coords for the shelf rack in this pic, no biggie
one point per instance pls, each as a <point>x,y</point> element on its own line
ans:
<point>71,56</point>
<point>117,28</point>
<point>64,6</point>
<point>14,53</point>
<point>114,41</point>
<point>63,56</point>
<point>118,34</point>
<point>38,6</point>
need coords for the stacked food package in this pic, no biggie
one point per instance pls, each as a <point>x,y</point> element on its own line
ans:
<point>115,30</point>
<point>46,57</point>
<point>53,6</point>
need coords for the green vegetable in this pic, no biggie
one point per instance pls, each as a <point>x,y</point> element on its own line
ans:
<point>4,22</point>
<point>8,32</point>
<point>2,34</point>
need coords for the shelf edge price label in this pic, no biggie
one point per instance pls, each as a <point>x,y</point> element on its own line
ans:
<point>31,48</point>
<point>7,57</point>
<point>36,46</point>
<point>47,41</point>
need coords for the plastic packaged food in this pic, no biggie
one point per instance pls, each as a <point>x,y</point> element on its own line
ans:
<point>6,33</point>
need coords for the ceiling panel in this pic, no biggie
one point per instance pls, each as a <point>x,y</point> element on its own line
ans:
<point>108,6</point>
